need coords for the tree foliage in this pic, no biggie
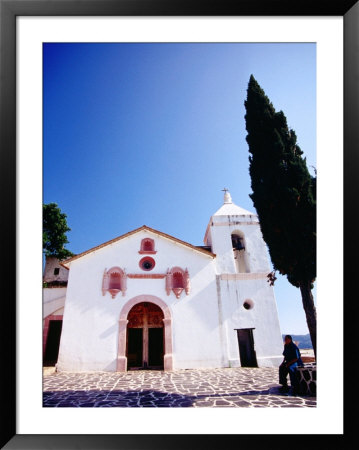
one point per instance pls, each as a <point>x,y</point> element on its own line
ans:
<point>284,195</point>
<point>283,189</point>
<point>54,232</point>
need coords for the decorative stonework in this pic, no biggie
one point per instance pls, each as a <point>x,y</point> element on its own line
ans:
<point>114,281</point>
<point>147,247</point>
<point>177,280</point>
<point>153,314</point>
<point>149,276</point>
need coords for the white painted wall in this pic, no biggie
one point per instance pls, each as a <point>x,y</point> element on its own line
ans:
<point>203,322</point>
<point>220,237</point>
<point>90,327</point>
<point>53,299</point>
<point>263,317</point>
<point>232,293</point>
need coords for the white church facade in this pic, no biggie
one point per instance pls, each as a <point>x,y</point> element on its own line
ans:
<point>149,300</point>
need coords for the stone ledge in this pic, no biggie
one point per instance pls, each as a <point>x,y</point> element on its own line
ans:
<point>243,276</point>
<point>307,378</point>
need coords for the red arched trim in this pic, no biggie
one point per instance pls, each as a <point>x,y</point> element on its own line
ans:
<point>122,332</point>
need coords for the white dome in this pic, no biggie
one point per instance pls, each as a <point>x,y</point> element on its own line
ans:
<point>231,209</point>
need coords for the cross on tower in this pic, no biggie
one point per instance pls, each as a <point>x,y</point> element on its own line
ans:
<point>227,196</point>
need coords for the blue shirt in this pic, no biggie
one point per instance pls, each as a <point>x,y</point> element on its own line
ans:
<point>290,352</point>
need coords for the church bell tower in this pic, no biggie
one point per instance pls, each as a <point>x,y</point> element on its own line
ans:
<point>234,235</point>
<point>248,317</point>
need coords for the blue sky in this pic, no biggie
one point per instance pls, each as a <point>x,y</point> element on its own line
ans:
<point>149,134</point>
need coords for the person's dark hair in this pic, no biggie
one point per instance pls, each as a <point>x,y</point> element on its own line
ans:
<point>288,336</point>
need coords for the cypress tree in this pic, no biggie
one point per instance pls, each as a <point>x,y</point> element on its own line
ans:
<point>284,195</point>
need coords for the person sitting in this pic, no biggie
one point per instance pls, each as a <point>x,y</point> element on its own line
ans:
<point>291,361</point>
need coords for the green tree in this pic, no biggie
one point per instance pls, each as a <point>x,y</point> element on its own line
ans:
<point>54,232</point>
<point>284,195</point>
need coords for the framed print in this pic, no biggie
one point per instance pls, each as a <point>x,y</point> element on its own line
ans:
<point>178,61</point>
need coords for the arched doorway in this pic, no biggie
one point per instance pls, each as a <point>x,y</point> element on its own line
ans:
<point>156,313</point>
<point>145,337</point>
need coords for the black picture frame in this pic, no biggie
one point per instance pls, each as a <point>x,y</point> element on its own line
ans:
<point>9,10</point>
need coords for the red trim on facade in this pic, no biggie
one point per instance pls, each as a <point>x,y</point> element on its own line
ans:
<point>122,332</point>
<point>146,275</point>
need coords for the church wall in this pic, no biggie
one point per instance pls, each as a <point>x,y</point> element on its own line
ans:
<point>53,299</point>
<point>196,330</point>
<point>222,247</point>
<point>90,330</point>
<point>203,322</point>
<point>235,288</point>
<point>262,317</point>
<point>50,294</point>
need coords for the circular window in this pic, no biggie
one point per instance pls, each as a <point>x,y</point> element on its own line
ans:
<point>248,304</point>
<point>147,263</point>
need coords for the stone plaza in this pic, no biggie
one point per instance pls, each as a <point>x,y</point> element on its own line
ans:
<point>231,387</point>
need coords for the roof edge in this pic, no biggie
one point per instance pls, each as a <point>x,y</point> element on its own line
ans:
<point>137,230</point>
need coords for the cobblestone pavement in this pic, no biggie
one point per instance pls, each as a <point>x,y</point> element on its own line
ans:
<point>235,387</point>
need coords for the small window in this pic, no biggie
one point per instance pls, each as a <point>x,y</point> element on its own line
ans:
<point>56,271</point>
<point>115,281</point>
<point>248,304</point>
<point>237,242</point>
<point>239,252</point>
<point>147,246</point>
<point>178,281</point>
<point>147,263</point>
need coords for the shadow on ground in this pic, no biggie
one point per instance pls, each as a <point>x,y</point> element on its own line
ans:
<point>151,398</point>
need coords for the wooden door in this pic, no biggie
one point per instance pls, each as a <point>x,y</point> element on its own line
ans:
<point>135,347</point>
<point>155,347</point>
<point>246,347</point>
<point>145,348</point>
<point>53,343</point>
